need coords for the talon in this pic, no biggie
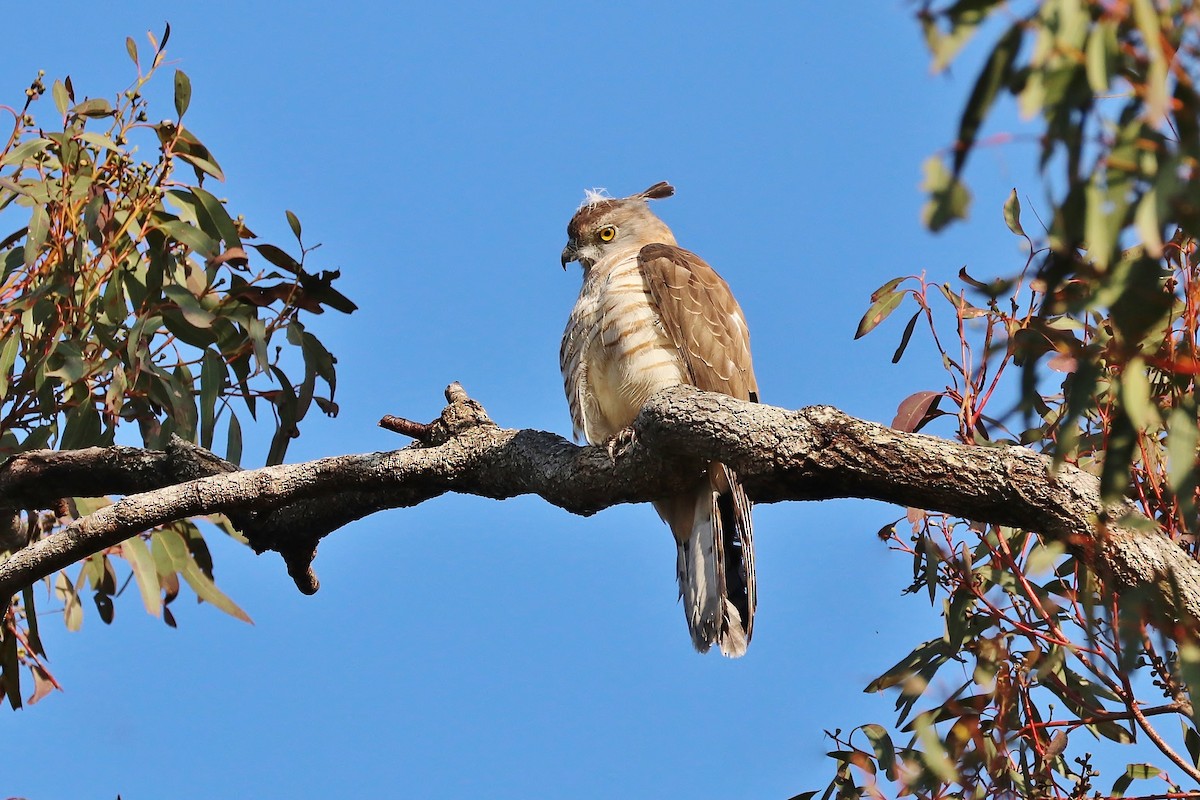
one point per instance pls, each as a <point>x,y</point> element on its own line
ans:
<point>619,443</point>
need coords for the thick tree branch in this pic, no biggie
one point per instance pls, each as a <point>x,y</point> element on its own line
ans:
<point>812,454</point>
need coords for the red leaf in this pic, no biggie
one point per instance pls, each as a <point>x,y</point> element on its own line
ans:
<point>234,255</point>
<point>43,684</point>
<point>1063,363</point>
<point>915,411</point>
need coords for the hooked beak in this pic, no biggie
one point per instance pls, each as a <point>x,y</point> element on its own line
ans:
<point>570,253</point>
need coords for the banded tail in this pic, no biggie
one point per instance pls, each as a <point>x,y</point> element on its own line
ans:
<point>715,560</point>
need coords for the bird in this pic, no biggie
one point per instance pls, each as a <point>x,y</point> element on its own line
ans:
<point>652,315</point>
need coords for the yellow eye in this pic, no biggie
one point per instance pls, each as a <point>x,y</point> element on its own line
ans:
<point>608,233</point>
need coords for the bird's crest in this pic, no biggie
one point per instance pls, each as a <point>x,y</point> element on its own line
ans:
<point>594,197</point>
<point>598,202</point>
<point>658,191</point>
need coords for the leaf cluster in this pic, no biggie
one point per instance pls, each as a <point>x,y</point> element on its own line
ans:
<point>133,298</point>
<point>1039,655</point>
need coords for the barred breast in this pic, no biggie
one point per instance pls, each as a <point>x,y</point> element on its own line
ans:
<point>615,354</point>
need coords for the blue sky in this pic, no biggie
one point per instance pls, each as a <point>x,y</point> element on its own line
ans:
<point>473,648</point>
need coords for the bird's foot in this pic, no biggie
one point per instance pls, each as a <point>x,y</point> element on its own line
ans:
<point>619,443</point>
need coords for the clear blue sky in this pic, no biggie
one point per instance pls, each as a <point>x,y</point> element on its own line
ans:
<point>470,648</point>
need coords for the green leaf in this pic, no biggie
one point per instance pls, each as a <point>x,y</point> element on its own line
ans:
<point>39,437</point>
<point>203,164</point>
<point>256,330</point>
<point>131,48</point>
<point>1043,557</point>
<point>878,312</point>
<point>62,100</point>
<point>164,564</point>
<point>908,332</point>
<point>104,607</point>
<point>95,107</point>
<point>174,321</point>
<point>10,667</point>
<point>1134,772</point>
<point>1182,441</point>
<point>1033,94</point>
<point>1101,52</point>
<point>226,525</point>
<point>1100,228</point>
<point>286,407</point>
<point>933,557</point>
<point>885,751</point>
<point>67,362</point>
<point>294,223</point>
<point>39,229</point>
<point>207,591</point>
<point>1012,214</point>
<point>1122,438</point>
<point>277,257</point>
<point>212,383</point>
<point>965,309</point>
<point>922,662</point>
<point>190,149</point>
<point>183,92</point>
<point>83,428</point>
<point>1189,671</point>
<point>138,555</point>
<point>996,73</point>
<point>240,366</point>
<point>1135,394</point>
<point>8,357</point>
<point>233,446</point>
<point>1146,221</point>
<point>184,414</point>
<point>965,17</point>
<point>1156,98</point>
<point>64,590</point>
<point>321,359</point>
<point>319,289</point>
<point>934,756</point>
<point>23,151</point>
<point>186,234</point>
<point>887,289</point>
<point>222,222</point>
<point>1191,740</point>
<point>1143,771</point>
<point>189,306</point>
<point>1141,303</point>
<point>1079,388</point>
<point>194,539</point>
<point>948,197</point>
<point>31,618</point>
<point>99,142</point>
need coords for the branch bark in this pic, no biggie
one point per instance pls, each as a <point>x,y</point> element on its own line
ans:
<point>814,453</point>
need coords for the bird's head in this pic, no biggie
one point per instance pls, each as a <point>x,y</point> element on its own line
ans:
<point>604,226</point>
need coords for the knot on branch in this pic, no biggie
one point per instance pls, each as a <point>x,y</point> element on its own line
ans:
<point>14,533</point>
<point>187,461</point>
<point>298,558</point>
<point>460,415</point>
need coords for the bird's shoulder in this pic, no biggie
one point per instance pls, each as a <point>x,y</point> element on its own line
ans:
<point>700,315</point>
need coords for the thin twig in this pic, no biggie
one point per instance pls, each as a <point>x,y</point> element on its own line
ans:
<point>421,431</point>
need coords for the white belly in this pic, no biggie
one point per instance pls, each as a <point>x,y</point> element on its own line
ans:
<point>616,354</point>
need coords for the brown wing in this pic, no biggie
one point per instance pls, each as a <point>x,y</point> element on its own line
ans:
<point>703,320</point>
<point>707,327</point>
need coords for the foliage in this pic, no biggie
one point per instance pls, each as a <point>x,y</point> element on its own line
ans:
<point>129,299</point>
<point>1039,659</point>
